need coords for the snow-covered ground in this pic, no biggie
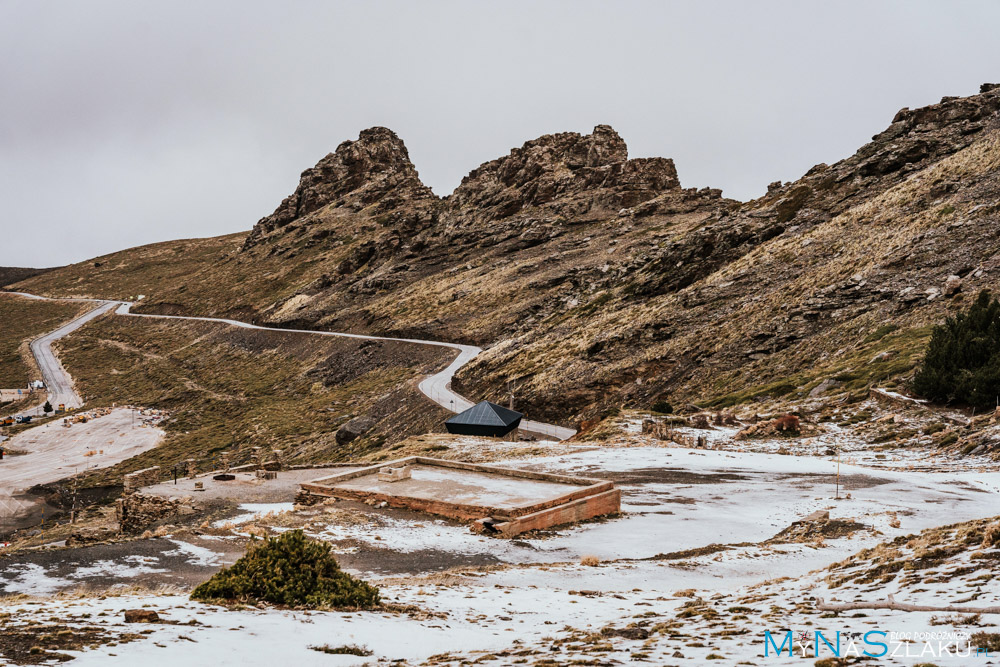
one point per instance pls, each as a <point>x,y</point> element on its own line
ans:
<point>538,595</point>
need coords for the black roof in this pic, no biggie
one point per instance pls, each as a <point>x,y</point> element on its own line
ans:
<point>487,414</point>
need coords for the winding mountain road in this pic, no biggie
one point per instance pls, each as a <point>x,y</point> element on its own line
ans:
<point>436,387</point>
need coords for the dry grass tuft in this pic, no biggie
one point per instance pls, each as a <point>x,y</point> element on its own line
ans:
<point>991,536</point>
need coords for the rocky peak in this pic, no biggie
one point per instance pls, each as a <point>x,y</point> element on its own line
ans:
<point>916,139</point>
<point>932,132</point>
<point>563,166</point>
<point>373,170</point>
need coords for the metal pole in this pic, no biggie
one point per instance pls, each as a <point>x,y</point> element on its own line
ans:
<point>838,473</point>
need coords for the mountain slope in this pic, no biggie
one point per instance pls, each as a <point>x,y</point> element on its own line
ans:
<point>13,274</point>
<point>597,281</point>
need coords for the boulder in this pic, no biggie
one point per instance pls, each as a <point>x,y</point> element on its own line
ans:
<point>953,285</point>
<point>823,387</point>
<point>354,429</point>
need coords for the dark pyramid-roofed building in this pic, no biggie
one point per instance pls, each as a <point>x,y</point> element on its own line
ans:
<point>485,418</point>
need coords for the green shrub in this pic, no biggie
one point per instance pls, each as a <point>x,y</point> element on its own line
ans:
<point>962,362</point>
<point>949,438</point>
<point>663,407</point>
<point>288,570</point>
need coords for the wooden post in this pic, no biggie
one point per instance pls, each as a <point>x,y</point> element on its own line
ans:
<point>838,473</point>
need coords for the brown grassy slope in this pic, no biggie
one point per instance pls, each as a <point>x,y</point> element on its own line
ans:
<point>233,389</point>
<point>792,311</point>
<point>125,274</point>
<point>14,274</point>
<point>21,320</point>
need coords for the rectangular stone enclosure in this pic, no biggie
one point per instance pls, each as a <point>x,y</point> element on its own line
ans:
<point>502,501</point>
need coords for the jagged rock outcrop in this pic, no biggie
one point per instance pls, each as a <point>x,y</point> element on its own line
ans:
<point>593,280</point>
<point>373,171</point>
<point>555,169</point>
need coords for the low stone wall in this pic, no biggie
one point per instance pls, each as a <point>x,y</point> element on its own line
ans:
<point>590,498</point>
<point>136,512</point>
<point>609,502</point>
<point>140,478</point>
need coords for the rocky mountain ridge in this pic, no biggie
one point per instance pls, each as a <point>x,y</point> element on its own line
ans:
<point>598,281</point>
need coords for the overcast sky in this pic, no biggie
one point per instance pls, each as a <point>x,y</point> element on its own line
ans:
<point>126,122</point>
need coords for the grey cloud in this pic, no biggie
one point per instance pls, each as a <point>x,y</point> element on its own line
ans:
<point>126,122</point>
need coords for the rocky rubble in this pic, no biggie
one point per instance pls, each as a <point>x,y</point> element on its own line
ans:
<point>137,512</point>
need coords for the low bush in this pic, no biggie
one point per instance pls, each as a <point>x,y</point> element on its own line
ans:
<point>880,333</point>
<point>949,438</point>
<point>933,428</point>
<point>991,536</point>
<point>663,407</point>
<point>288,570</point>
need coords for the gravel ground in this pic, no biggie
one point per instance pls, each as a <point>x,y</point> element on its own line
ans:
<point>246,487</point>
<point>56,452</point>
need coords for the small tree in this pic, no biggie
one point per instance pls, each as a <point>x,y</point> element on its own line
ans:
<point>289,570</point>
<point>47,408</point>
<point>962,362</point>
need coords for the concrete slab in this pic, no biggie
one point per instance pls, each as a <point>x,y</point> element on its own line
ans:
<point>493,498</point>
<point>463,486</point>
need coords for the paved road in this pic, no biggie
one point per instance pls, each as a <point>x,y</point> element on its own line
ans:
<point>57,380</point>
<point>436,387</point>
